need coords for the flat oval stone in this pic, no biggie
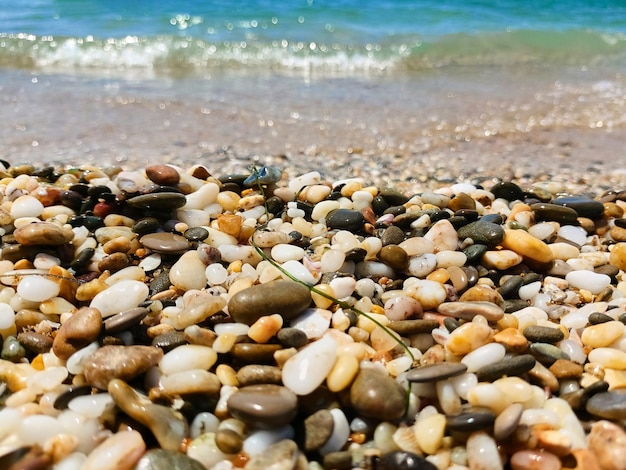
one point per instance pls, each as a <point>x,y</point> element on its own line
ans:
<point>378,396</point>
<point>583,206</point>
<point>547,353</point>
<point>124,320</point>
<point>164,175</point>
<point>317,429</point>
<point>158,201</point>
<point>252,353</point>
<point>543,334</point>
<point>345,219</point>
<point>161,459</point>
<point>119,362</point>
<point>545,211</point>
<point>436,372</point>
<point>507,421</point>
<point>263,405</point>
<point>254,374</point>
<point>484,233</point>
<point>287,298</point>
<point>468,310</point>
<point>43,233</point>
<point>470,421</point>
<point>509,366</point>
<point>608,405</point>
<point>165,242</point>
<point>412,327</point>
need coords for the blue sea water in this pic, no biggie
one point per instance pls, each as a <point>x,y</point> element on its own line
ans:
<point>318,36</point>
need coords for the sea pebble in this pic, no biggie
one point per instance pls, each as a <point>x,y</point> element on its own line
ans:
<point>306,370</point>
<point>37,288</point>
<point>123,295</point>
<point>287,298</point>
<point>588,280</point>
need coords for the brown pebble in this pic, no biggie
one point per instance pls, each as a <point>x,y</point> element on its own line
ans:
<point>317,429</point>
<point>564,369</point>
<point>114,262</point>
<point>43,233</point>
<point>164,175</point>
<point>82,328</point>
<point>119,362</point>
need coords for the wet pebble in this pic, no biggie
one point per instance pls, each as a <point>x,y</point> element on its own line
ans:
<point>608,405</point>
<point>82,328</point>
<point>543,334</point>
<point>263,405</point>
<point>119,362</point>
<point>165,242</point>
<point>287,298</point>
<point>435,372</point>
<point>377,396</point>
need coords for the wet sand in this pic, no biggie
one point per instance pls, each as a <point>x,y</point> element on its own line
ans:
<point>409,131</point>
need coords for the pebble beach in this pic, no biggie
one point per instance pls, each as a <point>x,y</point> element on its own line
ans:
<point>312,235</point>
<point>172,317</point>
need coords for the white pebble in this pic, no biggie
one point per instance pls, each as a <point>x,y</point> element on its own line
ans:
<point>238,329</point>
<point>574,350</point>
<point>37,429</point>
<point>7,316</point>
<point>203,422</point>
<point>91,406</point>
<point>540,416</point>
<point>121,451</point>
<point>205,195</point>
<point>314,322</point>
<point>120,297</point>
<point>47,379</point>
<point>588,280</point>
<point>150,262</point>
<point>307,369</point>
<point>74,461</point>
<point>10,419</point>
<point>75,363</point>
<point>26,206</point>
<point>484,355</point>
<point>284,252</point>
<point>300,272</point>
<point>45,261</point>
<point>37,288</point>
<point>258,441</point>
<point>187,357</point>
<point>421,266</point>
<point>216,274</point>
<point>464,383</point>
<point>482,452</point>
<point>307,179</point>
<point>574,234</point>
<point>343,286</point>
<point>332,260</point>
<point>188,272</point>
<point>530,290</point>
<point>542,230</point>
<point>340,434</point>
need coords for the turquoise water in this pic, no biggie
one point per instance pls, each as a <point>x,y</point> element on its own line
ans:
<point>319,36</point>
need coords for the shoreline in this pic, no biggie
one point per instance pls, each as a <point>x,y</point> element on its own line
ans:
<point>412,131</point>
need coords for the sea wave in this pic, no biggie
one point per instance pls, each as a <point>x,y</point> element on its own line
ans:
<point>176,55</point>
